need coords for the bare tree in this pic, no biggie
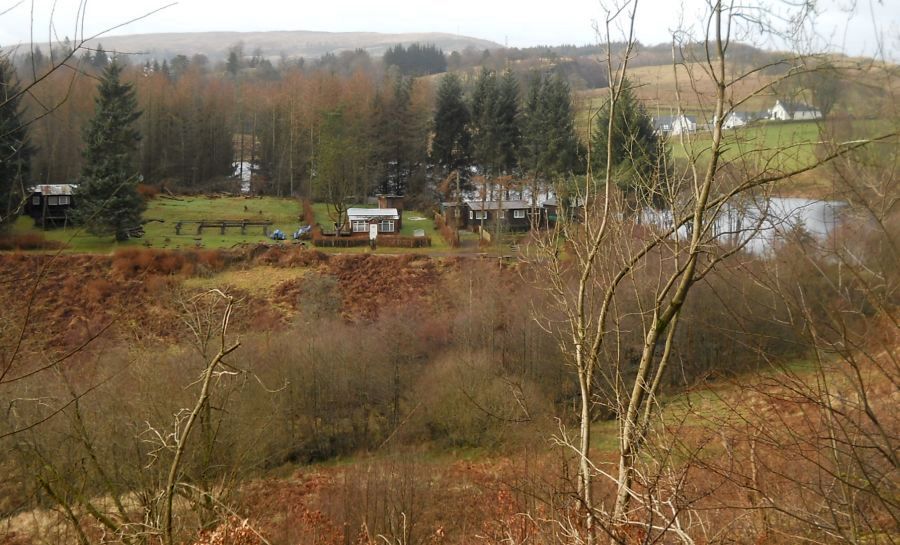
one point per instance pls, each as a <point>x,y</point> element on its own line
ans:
<point>618,289</point>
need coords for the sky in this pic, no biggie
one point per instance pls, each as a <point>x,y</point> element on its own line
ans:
<point>514,22</point>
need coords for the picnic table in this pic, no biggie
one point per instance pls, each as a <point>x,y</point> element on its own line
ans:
<point>224,224</point>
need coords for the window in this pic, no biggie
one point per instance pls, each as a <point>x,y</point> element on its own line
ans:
<point>471,215</point>
<point>387,226</point>
<point>53,201</point>
<point>64,199</point>
<point>36,200</point>
<point>481,215</point>
<point>360,226</point>
<point>518,214</point>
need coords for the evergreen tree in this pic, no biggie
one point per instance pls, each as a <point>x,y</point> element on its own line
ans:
<point>15,150</point>
<point>399,144</point>
<point>451,145</point>
<point>549,143</point>
<point>639,155</point>
<point>484,100</point>
<point>100,58</point>
<point>107,198</point>
<point>506,122</point>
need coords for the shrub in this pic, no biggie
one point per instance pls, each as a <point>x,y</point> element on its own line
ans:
<point>27,241</point>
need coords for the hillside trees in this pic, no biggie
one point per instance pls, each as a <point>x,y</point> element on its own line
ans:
<point>186,128</point>
<point>416,60</point>
<point>15,147</point>
<point>108,201</point>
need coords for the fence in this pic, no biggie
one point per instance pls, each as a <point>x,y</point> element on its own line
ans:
<point>385,241</point>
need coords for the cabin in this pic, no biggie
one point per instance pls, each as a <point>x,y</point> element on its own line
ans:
<point>676,124</point>
<point>387,219</point>
<point>49,204</point>
<point>785,110</point>
<point>511,215</point>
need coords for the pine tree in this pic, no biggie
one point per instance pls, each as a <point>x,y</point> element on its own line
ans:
<point>549,143</point>
<point>100,58</point>
<point>484,101</point>
<point>506,122</point>
<point>107,199</point>
<point>15,150</point>
<point>451,146</point>
<point>639,155</point>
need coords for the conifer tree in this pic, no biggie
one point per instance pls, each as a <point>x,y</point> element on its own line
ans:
<point>451,146</point>
<point>639,154</point>
<point>549,143</point>
<point>15,150</point>
<point>107,198</point>
<point>484,99</point>
<point>506,122</point>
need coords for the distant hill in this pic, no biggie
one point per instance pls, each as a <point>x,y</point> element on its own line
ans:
<point>292,43</point>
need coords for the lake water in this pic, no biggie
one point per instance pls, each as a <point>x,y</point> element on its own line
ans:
<point>763,223</point>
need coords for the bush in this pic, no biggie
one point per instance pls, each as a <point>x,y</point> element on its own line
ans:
<point>27,241</point>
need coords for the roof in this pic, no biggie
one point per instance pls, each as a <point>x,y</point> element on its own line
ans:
<point>498,205</point>
<point>795,106</point>
<point>55,189</point>
<point>373,213</point>
<point>671,119</point>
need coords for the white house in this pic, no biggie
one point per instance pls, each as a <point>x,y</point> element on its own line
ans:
<point>678,124</point>
<point>388,219</point>
<point>739,119</point>
<point>784,110</point>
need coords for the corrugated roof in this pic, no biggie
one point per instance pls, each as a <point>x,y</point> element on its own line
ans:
<point>55,189</point>
<point>496,205</point>
<point>373,213</point>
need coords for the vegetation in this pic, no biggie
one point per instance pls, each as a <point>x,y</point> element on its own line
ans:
<point>15,148</point>
<point>107,197</point>
<point>416,60</point>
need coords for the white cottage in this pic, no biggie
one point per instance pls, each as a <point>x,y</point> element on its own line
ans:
<point>387,219</point>
<point>784,110</point>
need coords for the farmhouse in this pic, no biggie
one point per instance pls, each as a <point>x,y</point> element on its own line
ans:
<point>387,219</point>
<point>784,110</point>
<point>678,124</point>
<point>48,204</point>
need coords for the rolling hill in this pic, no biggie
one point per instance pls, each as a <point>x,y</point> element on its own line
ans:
<point>293,43</point>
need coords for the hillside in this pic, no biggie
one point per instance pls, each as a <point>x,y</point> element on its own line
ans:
<point>292,43</point>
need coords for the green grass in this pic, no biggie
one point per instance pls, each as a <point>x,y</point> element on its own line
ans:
<point>412,220</point>
<point>786,145</point>
<point>284,213</point>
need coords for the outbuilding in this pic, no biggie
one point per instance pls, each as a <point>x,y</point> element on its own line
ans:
<point>49,204</point>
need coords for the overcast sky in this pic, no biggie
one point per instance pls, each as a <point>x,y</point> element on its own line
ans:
<point>515,22</point>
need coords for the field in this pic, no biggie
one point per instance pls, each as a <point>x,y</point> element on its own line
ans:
<point>163,213</point>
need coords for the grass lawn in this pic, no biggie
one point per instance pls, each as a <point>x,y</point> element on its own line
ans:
<point>284,213</point>
<point>412,220</point>
<point>788,145</point>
